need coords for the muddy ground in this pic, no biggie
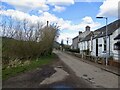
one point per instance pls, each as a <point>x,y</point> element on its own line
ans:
<point>32,79</point>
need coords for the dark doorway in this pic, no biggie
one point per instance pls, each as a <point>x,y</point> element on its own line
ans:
<point>96,47</point>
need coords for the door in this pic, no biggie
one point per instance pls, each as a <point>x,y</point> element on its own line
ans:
<point>96,47</point>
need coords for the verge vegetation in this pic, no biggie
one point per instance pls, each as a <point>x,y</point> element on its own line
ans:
<point>24,42</point>
<point>27,66</point>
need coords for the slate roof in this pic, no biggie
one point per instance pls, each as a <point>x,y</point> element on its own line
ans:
<point>75,37</point>
<point>118,37</point>
<point>101,32</point>
<point>88,37</point>
<point>111,28</point>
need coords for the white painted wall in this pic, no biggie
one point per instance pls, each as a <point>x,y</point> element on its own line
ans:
<point>100,49</point>
<point>93,53</point>
<point>75,43</point>
<point>112,42</point>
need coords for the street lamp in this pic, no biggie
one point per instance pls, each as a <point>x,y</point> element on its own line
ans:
<point>106,36</point>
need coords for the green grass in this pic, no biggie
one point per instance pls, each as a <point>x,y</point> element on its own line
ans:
<point>44,60</point>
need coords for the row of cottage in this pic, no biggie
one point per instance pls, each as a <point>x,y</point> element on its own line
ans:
<point>95,41</point>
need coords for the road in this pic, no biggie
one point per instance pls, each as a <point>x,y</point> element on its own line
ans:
<point>91,73</point>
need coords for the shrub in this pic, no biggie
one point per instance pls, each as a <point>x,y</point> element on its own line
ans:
<point>74,50</point>
<point>13,48</point>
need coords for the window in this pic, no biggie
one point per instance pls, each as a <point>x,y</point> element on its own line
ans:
<point>117,46</point>
<point>100,45</point>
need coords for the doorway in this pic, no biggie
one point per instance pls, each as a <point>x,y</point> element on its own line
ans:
<point>96,47</point>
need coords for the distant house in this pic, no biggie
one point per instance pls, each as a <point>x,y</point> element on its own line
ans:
<point>86,43</point>
<point>95,41</point>
<point>75,42</point>
<point>78,38</point>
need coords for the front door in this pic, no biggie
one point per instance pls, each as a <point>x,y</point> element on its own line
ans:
<point>96,47</point>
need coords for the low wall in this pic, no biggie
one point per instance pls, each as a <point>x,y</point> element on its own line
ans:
<point>97,59</point>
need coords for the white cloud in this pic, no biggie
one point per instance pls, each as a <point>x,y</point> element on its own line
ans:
<point>46,16</point>
<point>109,8</point>
<point>26,5</point>
<point>59,9</point>
<point>64,36</point>
<point>89,21</point>
<point>15,14</point>
<point>61,2</point>
<point>43,5</point>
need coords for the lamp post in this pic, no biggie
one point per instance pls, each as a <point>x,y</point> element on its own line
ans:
<point>106,36</point>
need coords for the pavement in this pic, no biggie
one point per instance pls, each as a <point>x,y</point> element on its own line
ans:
<point>111,69</point>
<point>99,77</point>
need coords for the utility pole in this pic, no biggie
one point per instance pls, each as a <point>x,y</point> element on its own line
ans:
<point>106,37</point>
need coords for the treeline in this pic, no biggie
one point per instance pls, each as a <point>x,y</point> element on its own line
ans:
<point>24,40</point>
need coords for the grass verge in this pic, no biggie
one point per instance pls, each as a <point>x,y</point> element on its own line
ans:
<point>44,60</point>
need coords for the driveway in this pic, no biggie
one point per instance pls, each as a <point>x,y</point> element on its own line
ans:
<point>91,73</point>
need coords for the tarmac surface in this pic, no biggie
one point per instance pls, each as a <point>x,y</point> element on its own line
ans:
<point>97,76</point>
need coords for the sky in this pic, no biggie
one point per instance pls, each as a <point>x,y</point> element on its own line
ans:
<point>71,16</point>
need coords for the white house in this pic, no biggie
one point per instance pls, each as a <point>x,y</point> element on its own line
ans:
<point>86,43</point>
<point>99,41</point>
<point>96,41</point>
<point>82,44</point>
<point>78,38</point>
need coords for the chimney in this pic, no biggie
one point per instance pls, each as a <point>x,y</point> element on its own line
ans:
<point>87,28</point>
<point>47,23</point>
<point>80,32</point>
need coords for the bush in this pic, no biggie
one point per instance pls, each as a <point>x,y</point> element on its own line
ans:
<point>28,49</point>
<point>87,52</point>
<point>74,50</point>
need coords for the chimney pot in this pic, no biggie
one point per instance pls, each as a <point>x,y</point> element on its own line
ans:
<point>80,32</point>
<point>47,23</point>
<point>87,28</point>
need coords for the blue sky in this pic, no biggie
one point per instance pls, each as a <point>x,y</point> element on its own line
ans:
<point>70,15</point>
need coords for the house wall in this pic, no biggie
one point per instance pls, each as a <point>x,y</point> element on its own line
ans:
<point>75,43</point>
<point>83,45</point>
<point>80,45</point>
<point>89,46</point>
<point>93,53</point>
<point>100,48</point>
<point>115,53</point>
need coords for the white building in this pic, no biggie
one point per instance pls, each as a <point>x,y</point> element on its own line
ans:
<point>96,41</point>
<point>81,36</point>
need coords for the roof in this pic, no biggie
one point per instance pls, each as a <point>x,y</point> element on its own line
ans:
<point>75,37</point>
<point>118,37</point>
<point>111,28</point>
<point>88,37</point>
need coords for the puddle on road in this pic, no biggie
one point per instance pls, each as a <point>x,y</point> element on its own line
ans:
<point>59,75</point>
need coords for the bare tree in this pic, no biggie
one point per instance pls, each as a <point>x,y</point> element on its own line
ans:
<point>3,25</point>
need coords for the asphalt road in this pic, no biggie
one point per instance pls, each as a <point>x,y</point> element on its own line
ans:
<point>80,75</point>
<point>91,73</point>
